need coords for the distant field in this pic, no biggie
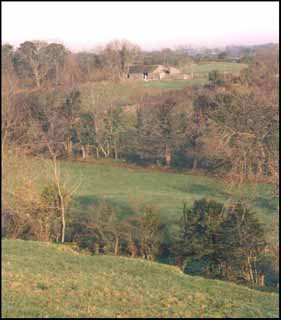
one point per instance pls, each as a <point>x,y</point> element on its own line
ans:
<point>122,186</point>
<point>48,280</point>
<point>219,66</point>
<point>98,95</point>
<point>129,92</point>
<point>174,84</point>
<point>201,69</point>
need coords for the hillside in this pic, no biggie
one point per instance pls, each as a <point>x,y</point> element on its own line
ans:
<point>122,185</point>
<point>40,280</point>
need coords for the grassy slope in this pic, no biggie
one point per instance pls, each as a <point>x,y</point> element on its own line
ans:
<point>123,186</point>
<point>174,84</point>
<point>41,280</point>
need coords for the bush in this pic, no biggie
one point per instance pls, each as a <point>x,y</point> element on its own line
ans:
<point>227,243</point>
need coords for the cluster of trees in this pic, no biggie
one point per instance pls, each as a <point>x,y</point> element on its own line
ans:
<point>177,57</point>
<point>36,64</point>
<point>48,214</point>
<point>228,126</point>
<point>31,211</point>
<point>31,214</point>
<point>226,242</point>
<point>103,231</point>
<point>32,119</point>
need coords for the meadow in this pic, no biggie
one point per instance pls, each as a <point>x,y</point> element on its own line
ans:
<point>48,280</point>
<point>203,68</point>
<point>123,186</point>
<point>174,84</point>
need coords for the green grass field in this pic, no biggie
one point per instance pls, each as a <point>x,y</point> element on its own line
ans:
<point>174,84</point>
<point>122,185</point>
<point>128,92</point>
<point>219,66</point>
<point>48,280</point>
<point>165,190</point>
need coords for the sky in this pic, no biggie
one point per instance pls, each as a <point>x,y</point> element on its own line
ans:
<point>152,25</point>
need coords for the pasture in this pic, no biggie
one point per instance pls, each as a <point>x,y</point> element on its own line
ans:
<point>174,84</point>
<point>204,68</point>
<point>165,190</point>
<point>123,186</point>
<point>48,280</point>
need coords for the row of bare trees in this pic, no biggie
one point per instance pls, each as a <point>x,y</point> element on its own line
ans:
<point>36,64</point>
<point>104,231</point>
<point>228,131</point>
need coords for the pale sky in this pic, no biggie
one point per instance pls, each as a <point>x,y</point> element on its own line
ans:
<point>84,25</point>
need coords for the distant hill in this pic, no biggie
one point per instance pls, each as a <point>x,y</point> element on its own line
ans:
<point>49,280</point>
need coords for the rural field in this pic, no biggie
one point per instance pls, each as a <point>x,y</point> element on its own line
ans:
<point>174,84</point>
<point>124,185</point>
<point>35,285</point>
<point>204,68</point>
<point>121,185</point>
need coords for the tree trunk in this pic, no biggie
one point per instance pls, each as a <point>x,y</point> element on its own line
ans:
<point>97,248</point>
<point>68,147</point>
<point>59,190</point>
<point>87,147</point>
<point>57,74</point>
<point>83,152</point>
<point>261,280</point>
<point>260,169</point>
<point>108,150</point>
<point>97,152</point>
<point>116,247</point>
<point>103,151</point>
<point>195,162</point>
<point>62,223</point>
<point>255,272</point>
<point>168,156</point>
<point>250,270</point>
<point>37,80</point>
<point>132,248</point>
<point>115,151</point>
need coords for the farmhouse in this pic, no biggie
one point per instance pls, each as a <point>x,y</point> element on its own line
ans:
<point>157,72</point>
<point>164,72</point>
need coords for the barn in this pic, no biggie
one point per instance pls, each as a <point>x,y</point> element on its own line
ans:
<point>157,72</point>
<point>165,72</point>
